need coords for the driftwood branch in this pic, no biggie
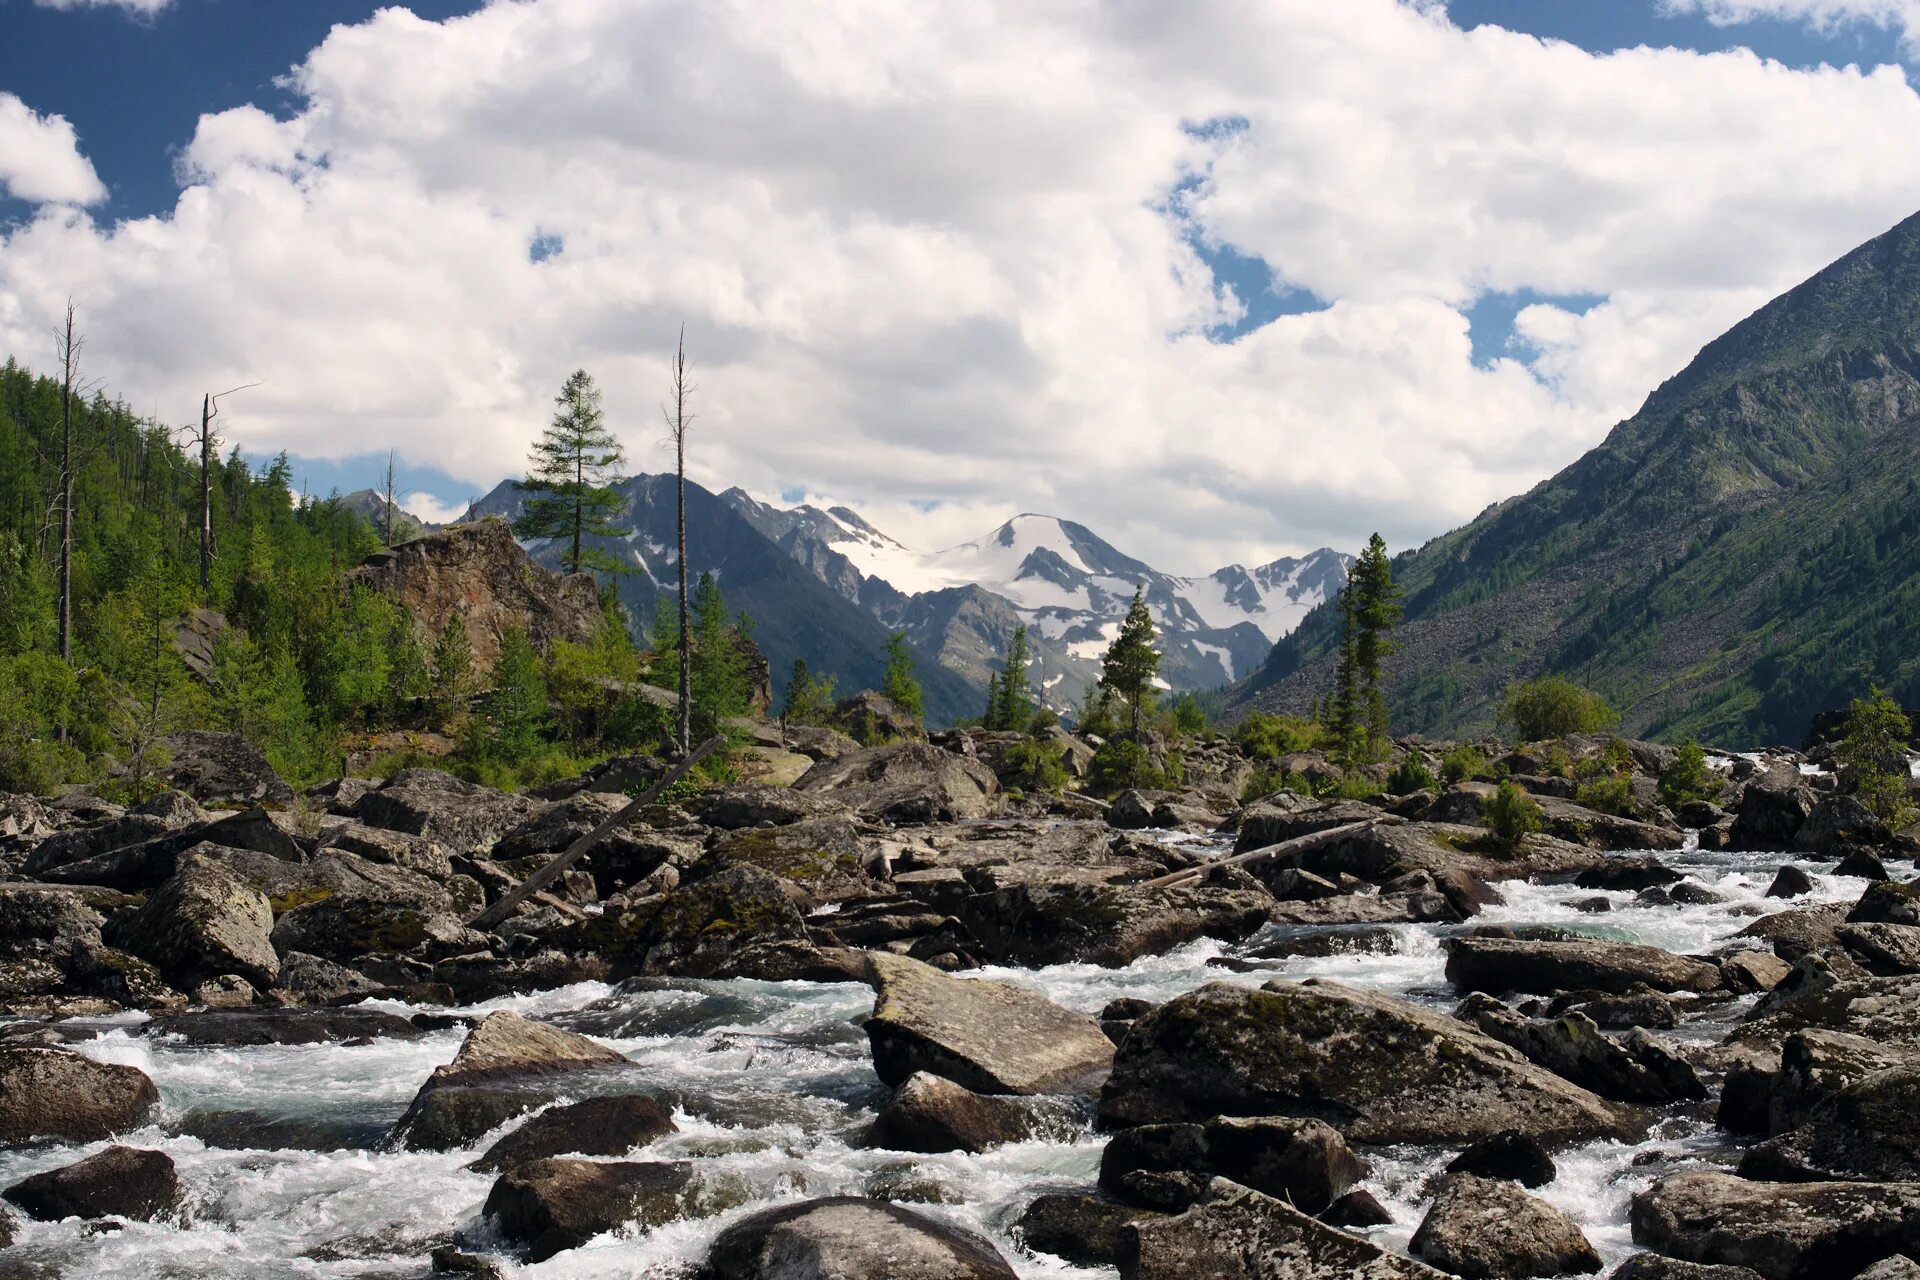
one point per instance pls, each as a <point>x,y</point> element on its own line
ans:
<point>546,875</point>
<point>1267,853</point>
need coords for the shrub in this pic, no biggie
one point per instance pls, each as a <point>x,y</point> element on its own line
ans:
<point>1553,707</point>
<point>1873,757</point>
<point>1689,777</point>
<point>1608,794</point>
<point>1037,765</point>
<point>1120,763</point>
<point>1268,737</point>
<point>1512,814</point>
<point>1463,762</point>
<point>1409,776</point>
<point>1189,717</point>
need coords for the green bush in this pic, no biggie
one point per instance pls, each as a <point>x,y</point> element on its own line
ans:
<point>1037,766</point>
<point>1268,737</point>
<point>1873,757</point>
<point>1553,707</point>
<point>1462,763</point>
<point>1189,717</point>
<point>1120,763</point>
<point>1512,814</point>
<point>1608,794</point>
<point>1409,776</point>
<point>1689,777</point>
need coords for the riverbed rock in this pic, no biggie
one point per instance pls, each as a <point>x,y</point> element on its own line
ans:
<point>549,1206</point>
<point>906,782</point>
<point>1169,1166</point>
<point>1040,914</point>
<point>1888,902</point>
<point>1085,1230</point>
<point>1836,824</point>
<point>54,1093</point>
<point>612,1125</point>
<point>1884,950</point>
<point>931,1113</point>
<point>696,930</point>
<point>1784,1231</point>
<point>507,1066</point>
<point>1496,965</point>
<point>1634,1068</point>
<point>1883,1009</point>
<point>120,1182</point>
<point>283,1026</point>
<point>1795,932</point>
<point>1513,1156</point>
<point>1790,882</point>
<point>1483,1229</point>
<point>203,923</point>
<point>1773,808</point>
<point>848,1238</point>
<point>222,771</point>
<point>1653,1266</point>
<point>1867,1130</point>
<point>990,1037</point>
<point>1378,1069</point>
<point>1240,1234</point>
<point>461,816</point>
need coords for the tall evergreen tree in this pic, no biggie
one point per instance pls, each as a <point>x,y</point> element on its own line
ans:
<point>452,671</point>
<point>809,697</point>
<point>516,709</point>
<point>573,469</point>
<point>990,718</point>
<point>1132,662</point>
<point>718,678</point>
<point>1377,612</point>
<point>899,683</point>
<point>1011,707</point>
<point>1342,707</point>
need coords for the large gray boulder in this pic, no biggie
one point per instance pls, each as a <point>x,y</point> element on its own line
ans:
<point>1868,1130</point>
<point>1169,1166</point>
<point>462,816</point>
<point>1240,1234</point>
<point>700,928</point>
<point>1044,913</point>
<point>222,771</point>
<point>930,1113</point>
<point>1784,1231</point>
<point>548,1206</point>
<point>1635,1068</point>
<point>507,1066</point>
<point>612,1125</point>
<point>990,1037</point>
<point>846,1238</point>
<point>906,782</point>
<point>1497,965</point>
<point>120,1182</point>
<point>1378,1069</point>
<point>203,923</point>
<point>1773,808</point>
<point>1483,1229</point>
<point>52,1093</point>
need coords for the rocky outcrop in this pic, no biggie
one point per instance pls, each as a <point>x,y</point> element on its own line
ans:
<point>221,771</point>
<point>461,816</point>
<point>203,923</point>
<point>700,929</point>
<point>1773,808</point>
<point>120,1182</point>
<point>477,573</point>
<point>906,782</point>
<point>549,1206</point>
<point>606,1126</point>
<point>1050,914</point>
<point>845,1238</point>
<point>989,1037</point>
<point>1378,1069</point>
<point>506,1067</point>
<point>1243,1235</point>
<point>1635,1068</point>
<point>1497,965</point>
<point>873,719</point>
<point>1169,1166</point>
<point>1784,1231</point>
<point>52,1093</point>
<point>1482,1229</point>
<point>1868,1130</point>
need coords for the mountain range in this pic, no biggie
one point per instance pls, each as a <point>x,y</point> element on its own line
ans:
<point>1739,555</point>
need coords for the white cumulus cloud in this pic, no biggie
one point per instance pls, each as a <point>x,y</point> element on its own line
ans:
<point>40,158</point>
<point>929,258</point>
<point>1901,16</point>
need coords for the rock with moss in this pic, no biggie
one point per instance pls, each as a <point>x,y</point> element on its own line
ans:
<point>906,782</point>
<point>221,771</point>
<point>1483,1229</point>
<point>826,856</point>
<point>1239,1234</point>
<point>1867,1129</point>
<point>1634,1068</point>
<point>696,930</point>
<point>931,1113</point>
<point>462,816</point>
<point>848,1238</point>
<point>613,1125</point>
<point>1085,1230</point>
<point>1498,965</point>
<point>990,1037</point>
<point>1041,913</point>
<point>203,923</point>
<point>1783,1231</point>
<point>1378,1069</point>
<point>1169,1166</point>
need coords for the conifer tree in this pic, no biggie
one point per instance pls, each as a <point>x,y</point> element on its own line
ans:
<point>516,710</point>
<point>573,468</point>
<point>718,678</point>
<point>452,671</point>
<point>809,697</point>
<point>990,718</point>
<point>900,684</point>
<point>1342,707</point>
<point>1132,662</point>
<point>1011,707</point>
<point>1377,612</point>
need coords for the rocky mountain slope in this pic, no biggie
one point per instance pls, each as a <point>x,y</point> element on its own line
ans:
<point>372,504</point>
<point>1741,553</point>
<point>1068,586</point>
<point>794,613</point>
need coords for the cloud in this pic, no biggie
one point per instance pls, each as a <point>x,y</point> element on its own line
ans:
<point>926,261</point>
<point>1902,16</point>
<point>137,8</point>
<point>40,158</point>
<point>431,509</point>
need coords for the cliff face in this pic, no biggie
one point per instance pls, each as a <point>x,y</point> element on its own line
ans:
<point>476,572</point>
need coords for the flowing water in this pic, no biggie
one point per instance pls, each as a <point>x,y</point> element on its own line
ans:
<point>773,1087</point>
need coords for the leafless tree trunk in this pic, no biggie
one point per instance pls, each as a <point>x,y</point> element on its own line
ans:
<point>208,442</point>
<point>678,421</point>
<point>69,372</point>
<point>389,499</point>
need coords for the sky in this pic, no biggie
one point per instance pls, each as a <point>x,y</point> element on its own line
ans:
<point>1222,280</point>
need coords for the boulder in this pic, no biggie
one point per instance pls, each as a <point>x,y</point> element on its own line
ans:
<point>203,923</point>
<point>1867,1130</point>
<point>342,908</point>
<point>873,719</point>
<point>697,930</point>
<point>222,771</point>
<point>507,1066</point>
<point>1887,902</point>
<point>395,848</point>
<point>1085,1230</point>
<point>825,856</point>
<point>1513,1156</point>
<point>549,1206</point>
<point>732,808</point>
<point>1836,823</point>
<point>931,1113</point>
<point>1359,1208</point>
<point>847,1238</point>
<point>1772,810</point>
<point>1041,914</point>
<point>1790,882</point>
<point>1885,950</point>
<point>990,1037</point>
<point>1242,1235</point>
<point>1169,1166</point>
<point>906,782</point>
<point>120,1182</point>
<point>1653,1266</point>
<point>1497,965</point>
<point>1483,1229</point>
<point>283,1026</point>
<point>1751,971</point>
<point>53,1093</point>
<point>1882,1009</point>
<point>461,816</point>
<point>1635,1068</point>
<point>1378,1069</point>
<point>1580,825</point>
<point>477,574</point>
<point>1784,1231</point>
<point>1795,932</point>
<point>612,1125</point>
<point>1898,1267</point>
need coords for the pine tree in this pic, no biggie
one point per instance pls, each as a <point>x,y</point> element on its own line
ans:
<point>1011,708</point>
<point>452,671</point>
<point>574,466</point>
<point>718,679</point>
<point>1376,613</point>
<point>900,684</point>
<point>990,718</point>
<point>1342,707</point>
<point>516,709</point>
<point>809,697</point>
<point>1132,662</point>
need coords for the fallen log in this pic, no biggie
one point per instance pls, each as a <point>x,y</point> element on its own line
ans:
<point>1266,853</point>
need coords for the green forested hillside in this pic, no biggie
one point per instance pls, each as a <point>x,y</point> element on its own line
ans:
<point>1737,556</point>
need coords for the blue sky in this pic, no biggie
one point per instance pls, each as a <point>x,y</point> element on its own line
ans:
<point>1460,258</point>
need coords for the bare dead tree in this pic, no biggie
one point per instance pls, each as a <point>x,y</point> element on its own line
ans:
<point>209,442</point>
<point>69,345</point>
<point>389,499</point>
<point>678,423</point>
